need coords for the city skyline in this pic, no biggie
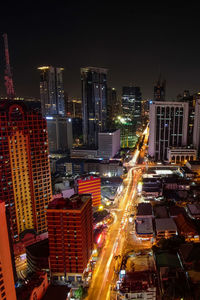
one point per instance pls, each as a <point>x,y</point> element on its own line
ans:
<point>136,43</point>
<point>99,151</point>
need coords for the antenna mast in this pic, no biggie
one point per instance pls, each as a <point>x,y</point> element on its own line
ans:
<point>8,75</point>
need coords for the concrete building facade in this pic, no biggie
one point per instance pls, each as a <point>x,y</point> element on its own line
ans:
<point>7,285</point>
<point>109,143</point>
<point>168,127</point>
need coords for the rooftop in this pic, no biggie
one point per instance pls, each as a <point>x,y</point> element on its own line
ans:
<point>136,281</point>
<point>87,177</point>
<point>185,225</point>
<point>144,209</point>
<point>165,224</point>
<point>190,252</point>
<point>144,226</point>
<point>75,202</point>
<point>194,209</point>
<point>160,212</point>
<point>176,210</point>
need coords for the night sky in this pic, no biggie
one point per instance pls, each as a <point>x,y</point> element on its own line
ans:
<point>134,42</point>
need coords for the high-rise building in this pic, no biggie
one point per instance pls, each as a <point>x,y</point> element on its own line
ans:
<point>191,100</point>
<point>52,91</point>
<point>111,106</point>
<point>168,127</point>
<point>131,104</point>
<point>7,286</point>
<point>74,108</point>
<point>196,130</point>
<point>159,90</point>
<point>59,133</point>
<point>94,102</point>
<point>25,179</point>
<point>109,143</point>
<point>90,185</point>
<point>70,231</point>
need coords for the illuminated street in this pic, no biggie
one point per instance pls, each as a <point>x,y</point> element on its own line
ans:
<point>117,235</point>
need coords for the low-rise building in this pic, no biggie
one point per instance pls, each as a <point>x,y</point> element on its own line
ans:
<point>186,228</point>
<point>35,288</point>
<point>144,210</point>
<point>160,211</point>
<point>181,154</point>
<point>137,285</point>
<point>174,211</point>
<point>165,228</point>
<point>84,153</point>
<point>144,228</point>
<point>152,187</point>
<point>190,255</point>
<point>194,210</point>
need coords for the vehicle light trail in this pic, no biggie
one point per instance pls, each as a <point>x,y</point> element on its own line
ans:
<point>104,271</point>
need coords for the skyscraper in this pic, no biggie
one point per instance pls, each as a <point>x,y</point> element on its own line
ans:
<point>191,100</point>
<point>70,232</point>
<point>160,90</point>
<point>25,179</point>
<point>7,286</point>
<point>111,105</point>
<point>168,127</point>
<point>94,101</point>
<point>52,91</point>
<point>59,133</point>
<point>131,104</point>
<point>196,130</point>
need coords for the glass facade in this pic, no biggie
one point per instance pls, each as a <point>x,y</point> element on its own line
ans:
<point>52,91</point>
<point>94,100</point>
<point>132,105</point>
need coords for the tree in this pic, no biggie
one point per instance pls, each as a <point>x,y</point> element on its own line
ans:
<point>79,293</point>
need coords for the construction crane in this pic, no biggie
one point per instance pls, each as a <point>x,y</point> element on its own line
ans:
<point>8,75</point>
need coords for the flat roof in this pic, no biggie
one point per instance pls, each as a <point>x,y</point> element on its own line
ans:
<point>160,211</point>
<point>176,210</point>
<point>194,209</point>
<point>144,225</point>
<point>190,252</point>
<point>165,224</point>
<point>75,202</point>
<point>144,209</point>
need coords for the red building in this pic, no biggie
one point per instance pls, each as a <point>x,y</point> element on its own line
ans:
<point>90,185</point>
<point>70,231</point>
<point>25,180</point>
<point>7,286</point>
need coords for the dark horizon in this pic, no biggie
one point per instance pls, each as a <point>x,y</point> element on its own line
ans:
<point>135,42</point>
